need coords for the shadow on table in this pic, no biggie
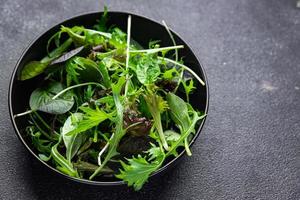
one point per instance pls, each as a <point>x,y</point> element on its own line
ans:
<point>48,185</point>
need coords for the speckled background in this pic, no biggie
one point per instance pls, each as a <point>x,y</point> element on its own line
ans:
<point>249,148</point>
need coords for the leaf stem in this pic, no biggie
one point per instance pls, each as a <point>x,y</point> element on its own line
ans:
<point>23,113</point>
<point>43,122</point>
<point>127,52</point>
<point>184,67</point>
<point>75,86</point>
<point>155,50</point>
<point>172,38</point>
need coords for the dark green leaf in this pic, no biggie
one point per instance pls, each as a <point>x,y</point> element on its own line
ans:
<point>35,68</point>
<point>41,99</point>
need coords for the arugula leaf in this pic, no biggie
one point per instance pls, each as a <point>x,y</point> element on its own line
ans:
<point>42,99</point>
<point>147,69</point>
<point>188,87</point>
<point>35,68</point>
<point>73,142</point>
<point>91,118</point>
<point>63,164</point>
<point>119,131</point>
<point>42,145</point>
<point>75,34</point>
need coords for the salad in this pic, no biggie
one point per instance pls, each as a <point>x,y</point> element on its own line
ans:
<point>106,107</point>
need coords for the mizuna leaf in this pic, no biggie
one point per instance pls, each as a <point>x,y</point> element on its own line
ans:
<point>90,118</point>
<point>119,131</point>
<point>137,171</point>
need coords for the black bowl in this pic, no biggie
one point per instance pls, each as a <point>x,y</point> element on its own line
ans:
<point>143,30</point>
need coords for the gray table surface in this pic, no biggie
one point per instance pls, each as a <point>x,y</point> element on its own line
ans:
<point>249,147</point>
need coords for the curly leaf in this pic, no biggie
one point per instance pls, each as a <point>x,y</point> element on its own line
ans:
<point>137,171</point>
<point>147,70</point>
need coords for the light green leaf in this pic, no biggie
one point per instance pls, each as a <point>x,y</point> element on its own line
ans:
<point>179,111</point>
<point>147,70</point>
<point>63,164</point>
<point>137,171</point>
<point>91,118</point>
<point>73,142</point>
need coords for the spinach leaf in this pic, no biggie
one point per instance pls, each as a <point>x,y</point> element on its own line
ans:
<point>186,123</point>
<point>42,99</point>
<point>179,111</point>
<point>73,142</point>
<point>87,69</point>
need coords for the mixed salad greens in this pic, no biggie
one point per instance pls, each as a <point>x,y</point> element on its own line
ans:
<point>108,107</point>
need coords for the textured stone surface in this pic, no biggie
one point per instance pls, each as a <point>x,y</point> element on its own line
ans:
<point>250,145</point>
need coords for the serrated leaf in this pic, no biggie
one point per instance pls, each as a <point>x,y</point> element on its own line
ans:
<point>147,70</point>
<point>91,118</point>
<point>137,171</point>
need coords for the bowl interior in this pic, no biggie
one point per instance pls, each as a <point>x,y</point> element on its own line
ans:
<point>143,30</point>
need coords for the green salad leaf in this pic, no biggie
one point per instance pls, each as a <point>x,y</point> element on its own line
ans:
<point>41,99</point>
<point>106,107</point>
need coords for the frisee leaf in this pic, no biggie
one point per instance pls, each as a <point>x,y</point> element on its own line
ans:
<point>147,69</point>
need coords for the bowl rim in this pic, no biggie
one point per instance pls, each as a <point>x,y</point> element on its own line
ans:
<point>86,181</point>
